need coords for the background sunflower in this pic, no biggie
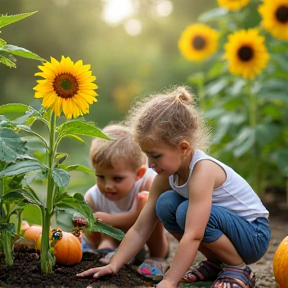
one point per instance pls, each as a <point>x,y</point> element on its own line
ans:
<point>246,53</point>
<point>66,87</point>
<point>198,42</point>
<point>233,4</point>
<point>275,17</point>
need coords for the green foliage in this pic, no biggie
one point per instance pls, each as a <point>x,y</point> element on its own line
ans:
<point>8,51</point>
<point>21,166</point>
<point>248,117</point>
<point>27,157</point>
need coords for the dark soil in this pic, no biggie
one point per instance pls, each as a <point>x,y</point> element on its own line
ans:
<point>26,269</point>
<point>26,273</point>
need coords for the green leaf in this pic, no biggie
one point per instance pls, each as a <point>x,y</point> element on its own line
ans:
<point>78,204</point>
<point>200,284</point>
<point>11,146</point>
<point>2,42</point>
<point>6,20</point>
<point>6,61</point>
<point>106,229</point>
<point>22,167</point>
<point>282,160</point>
<point>19,51</point>
<point>14,110</point>
<point>213,14</point>
<point>243,142</point>
<point>61,177</point>
<point>80,128</point>
<point>21,197</point>
<point>80,168</point>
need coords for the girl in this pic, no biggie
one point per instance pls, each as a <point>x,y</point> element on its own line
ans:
<point>202,202</point>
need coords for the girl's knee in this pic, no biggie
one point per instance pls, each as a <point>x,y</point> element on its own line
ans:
<point>164,204</point>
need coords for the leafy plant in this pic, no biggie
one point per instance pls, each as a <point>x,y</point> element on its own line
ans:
<point>242,88</point>
<point>8,51</point>
<point>27,156</point>
<point>7,152</point>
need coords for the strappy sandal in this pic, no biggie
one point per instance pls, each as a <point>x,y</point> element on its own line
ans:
<point>230,278</point>
<point>206,271</point>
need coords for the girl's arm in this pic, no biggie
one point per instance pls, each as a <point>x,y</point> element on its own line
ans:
<point>201,185</point>
<point>137,235</point>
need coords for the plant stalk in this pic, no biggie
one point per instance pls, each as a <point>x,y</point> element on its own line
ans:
<point>7,242</point>
<point>46,263</point>
<point>256,153</point>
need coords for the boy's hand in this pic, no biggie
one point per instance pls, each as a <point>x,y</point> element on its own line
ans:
<point>98,271</point>
<point>102,217</point>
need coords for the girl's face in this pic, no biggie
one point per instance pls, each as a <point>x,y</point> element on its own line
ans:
<point>163,159</point>
<point>115,183</point>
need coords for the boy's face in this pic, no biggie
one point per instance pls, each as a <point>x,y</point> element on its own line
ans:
<point>115,183</point>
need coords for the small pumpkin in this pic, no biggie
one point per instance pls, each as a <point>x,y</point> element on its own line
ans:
<point>31,232</point>
<point>65,246</point>
<point>280,262</point>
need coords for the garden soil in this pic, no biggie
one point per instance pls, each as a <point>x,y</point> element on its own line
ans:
<point>26,269</point>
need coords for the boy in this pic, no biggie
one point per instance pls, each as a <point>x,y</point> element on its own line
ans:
<point>123,182</point>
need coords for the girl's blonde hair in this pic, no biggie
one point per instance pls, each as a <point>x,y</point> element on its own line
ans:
<point>170,118</point>
<point>120,148</point>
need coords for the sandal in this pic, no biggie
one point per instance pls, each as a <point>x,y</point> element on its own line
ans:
<point>207,270</point>
<point>153,268</point>
<point>235,278</point>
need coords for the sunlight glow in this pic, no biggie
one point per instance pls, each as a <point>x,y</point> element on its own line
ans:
<point>133,27</point>
<point>164,8</point>
<point>116,10</point>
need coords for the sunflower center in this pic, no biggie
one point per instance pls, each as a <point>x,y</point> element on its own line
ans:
<point>282,14</point>
<point>65,85</point>
<point>198,42</point>
<point>245,53</point>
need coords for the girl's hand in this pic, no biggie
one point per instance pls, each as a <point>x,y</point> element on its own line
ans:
<point>98,271</point>
<point>166,284</point>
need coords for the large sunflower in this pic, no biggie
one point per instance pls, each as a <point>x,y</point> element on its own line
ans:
<point>66,87</point>
<point>246,53</point>
<point>198,42</point>
<point>275,17</point>
<point>233,4</point>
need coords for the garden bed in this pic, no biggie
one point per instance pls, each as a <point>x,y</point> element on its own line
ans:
<point>26,269</point>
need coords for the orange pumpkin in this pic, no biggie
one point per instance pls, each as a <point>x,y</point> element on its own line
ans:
<point>33,232</point>
<point>280,262</point>
<point>65,246</point>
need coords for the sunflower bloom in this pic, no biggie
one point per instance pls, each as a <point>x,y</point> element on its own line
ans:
<point>275,17</point>
<point>233,4</point>
<point>66,87</point>
<point>246,53</point>
<point>198,42</point>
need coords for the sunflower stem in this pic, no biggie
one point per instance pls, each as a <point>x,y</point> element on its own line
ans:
<point>256,152</point>
<point>47,212</point>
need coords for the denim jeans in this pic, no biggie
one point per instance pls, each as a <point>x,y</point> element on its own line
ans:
<point>251,239</point>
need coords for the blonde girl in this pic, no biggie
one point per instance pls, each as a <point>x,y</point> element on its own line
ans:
<point>202,202</point>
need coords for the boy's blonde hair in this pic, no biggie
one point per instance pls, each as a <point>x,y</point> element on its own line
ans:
<point>120,148</point>
<point>170,118</point>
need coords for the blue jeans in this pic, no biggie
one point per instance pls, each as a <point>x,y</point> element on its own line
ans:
<point>251,239</point>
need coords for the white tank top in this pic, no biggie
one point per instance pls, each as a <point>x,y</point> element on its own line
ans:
<point>234,194</point>
<point>103,204</point>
